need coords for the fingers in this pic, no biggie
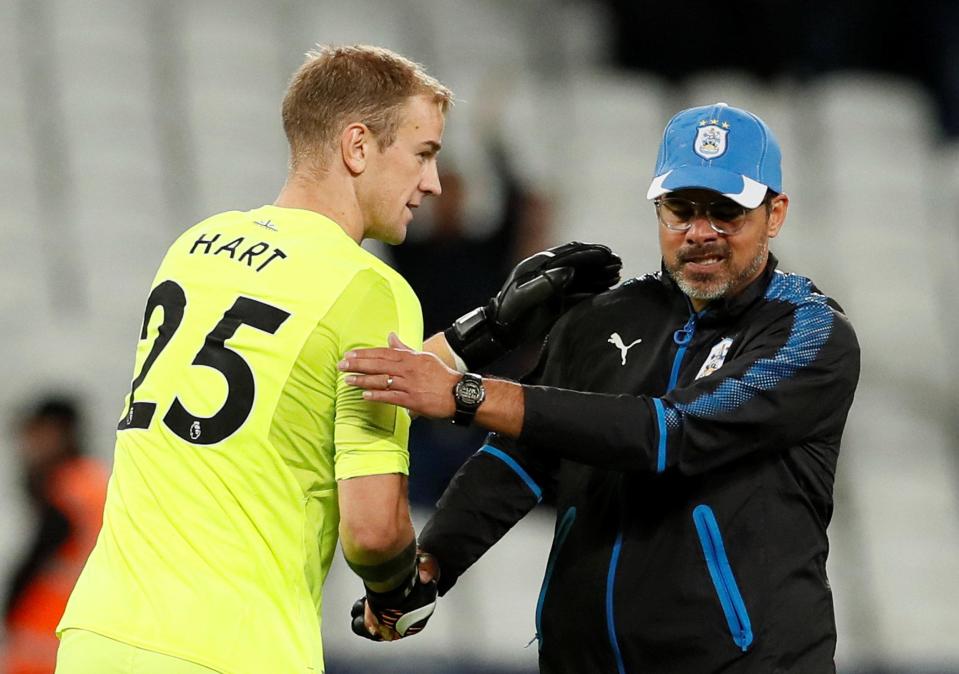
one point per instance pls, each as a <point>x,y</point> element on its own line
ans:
<point>577,254</point>
<point>378,353</point>
<point>399,398</point>
<point>429,567</point>
<point>380,388</point>
<point>395,362</point>
<point>541,287</point>
<point>375,382</point>
<point>417,381</point>
<point>378,360</point>
<point>359,623</point>
<point>394,341</point>
<point>560,276</point>
<point>393,353</point>
<point>379,632</point>
<point>357,362</point>
<point>361,630</point>
<point>365,624</point>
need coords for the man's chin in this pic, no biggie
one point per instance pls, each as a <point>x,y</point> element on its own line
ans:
<point>702,286</point>
<point>397,238</point>
<point>392,237</point>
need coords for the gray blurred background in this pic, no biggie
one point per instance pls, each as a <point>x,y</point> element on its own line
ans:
<point>122,122</point>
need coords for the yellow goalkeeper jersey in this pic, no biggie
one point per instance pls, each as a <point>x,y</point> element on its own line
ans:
<point>221,516</point>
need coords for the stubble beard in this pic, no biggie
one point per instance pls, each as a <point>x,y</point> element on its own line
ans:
<point>709,287</point>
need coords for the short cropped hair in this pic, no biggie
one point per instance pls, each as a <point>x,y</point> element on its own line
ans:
<point>337,86</point>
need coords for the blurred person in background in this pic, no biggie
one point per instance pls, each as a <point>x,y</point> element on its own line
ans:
<point>67,490</point>
<point>241,457</point>
<point>686,424</point>
<point>452,249</point>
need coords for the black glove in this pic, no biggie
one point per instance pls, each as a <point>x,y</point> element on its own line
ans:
<point>537,292</point>
<point>405,609</point>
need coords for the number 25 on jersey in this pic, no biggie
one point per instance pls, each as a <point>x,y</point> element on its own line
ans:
<point>214,353</point>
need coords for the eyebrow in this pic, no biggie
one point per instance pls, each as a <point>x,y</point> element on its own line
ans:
<point>433,146</point>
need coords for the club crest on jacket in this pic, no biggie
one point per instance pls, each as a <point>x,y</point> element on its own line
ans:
<point>716,358</point>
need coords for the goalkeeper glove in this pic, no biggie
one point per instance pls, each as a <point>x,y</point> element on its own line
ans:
<point>405,609</point>
<point>537,292</point>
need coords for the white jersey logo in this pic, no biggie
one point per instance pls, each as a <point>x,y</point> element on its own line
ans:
<point>716,358</point>
<point>617,341</point>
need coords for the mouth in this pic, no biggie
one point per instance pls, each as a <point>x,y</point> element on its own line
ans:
<point>703,263</point>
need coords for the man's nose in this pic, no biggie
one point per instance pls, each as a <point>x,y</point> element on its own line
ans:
<point>700,229</point>
<point>430,184</point>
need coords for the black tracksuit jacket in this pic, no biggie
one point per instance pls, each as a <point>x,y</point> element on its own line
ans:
<point>692,473</point>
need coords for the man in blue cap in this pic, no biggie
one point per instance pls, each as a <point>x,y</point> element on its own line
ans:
<point>723,163</point>
<point>685,424</point>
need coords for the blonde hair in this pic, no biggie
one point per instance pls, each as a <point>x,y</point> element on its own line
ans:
<point>337,86</point>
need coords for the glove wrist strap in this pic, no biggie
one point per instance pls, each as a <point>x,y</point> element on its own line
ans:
<point>396,595</point>
<point>471,339</point>
<point>384,572</point>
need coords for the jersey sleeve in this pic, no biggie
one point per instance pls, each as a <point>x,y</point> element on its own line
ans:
<point>371,438</point>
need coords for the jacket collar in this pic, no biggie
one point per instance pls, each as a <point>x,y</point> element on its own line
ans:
<point>729,307</point>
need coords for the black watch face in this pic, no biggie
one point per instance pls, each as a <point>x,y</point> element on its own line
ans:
<point>470,392</point>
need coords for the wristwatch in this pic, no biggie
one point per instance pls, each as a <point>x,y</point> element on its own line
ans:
<point>468,394</point>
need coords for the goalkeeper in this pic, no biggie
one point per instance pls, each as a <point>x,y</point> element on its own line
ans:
<point>241,455</point>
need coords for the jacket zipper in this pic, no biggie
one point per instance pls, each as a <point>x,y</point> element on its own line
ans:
<point>682,337</point>
<point>610,586</point>
<point>561,533</point>
<point>710,538</point>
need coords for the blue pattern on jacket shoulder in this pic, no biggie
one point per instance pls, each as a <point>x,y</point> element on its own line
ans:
<point>812,325</point>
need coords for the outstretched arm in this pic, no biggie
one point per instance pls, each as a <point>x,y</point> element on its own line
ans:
<point>790,386</point>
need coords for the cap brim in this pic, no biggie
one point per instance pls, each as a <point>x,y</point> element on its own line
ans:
<point>739,188</point>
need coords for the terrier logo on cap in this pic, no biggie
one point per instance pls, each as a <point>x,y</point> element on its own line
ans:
<point>711,138</point>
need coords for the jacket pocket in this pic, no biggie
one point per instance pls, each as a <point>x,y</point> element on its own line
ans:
<point>721,573</point>
<point>561,533</point>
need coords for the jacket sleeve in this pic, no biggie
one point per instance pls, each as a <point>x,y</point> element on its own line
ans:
<point>795,382</point>
<point>490,493</point>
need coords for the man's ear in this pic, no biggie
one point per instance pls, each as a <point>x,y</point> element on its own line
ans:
<point>777,215</point>
<point>354,146</point>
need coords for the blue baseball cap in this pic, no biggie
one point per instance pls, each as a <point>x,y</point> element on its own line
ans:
<point>718,147</point>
